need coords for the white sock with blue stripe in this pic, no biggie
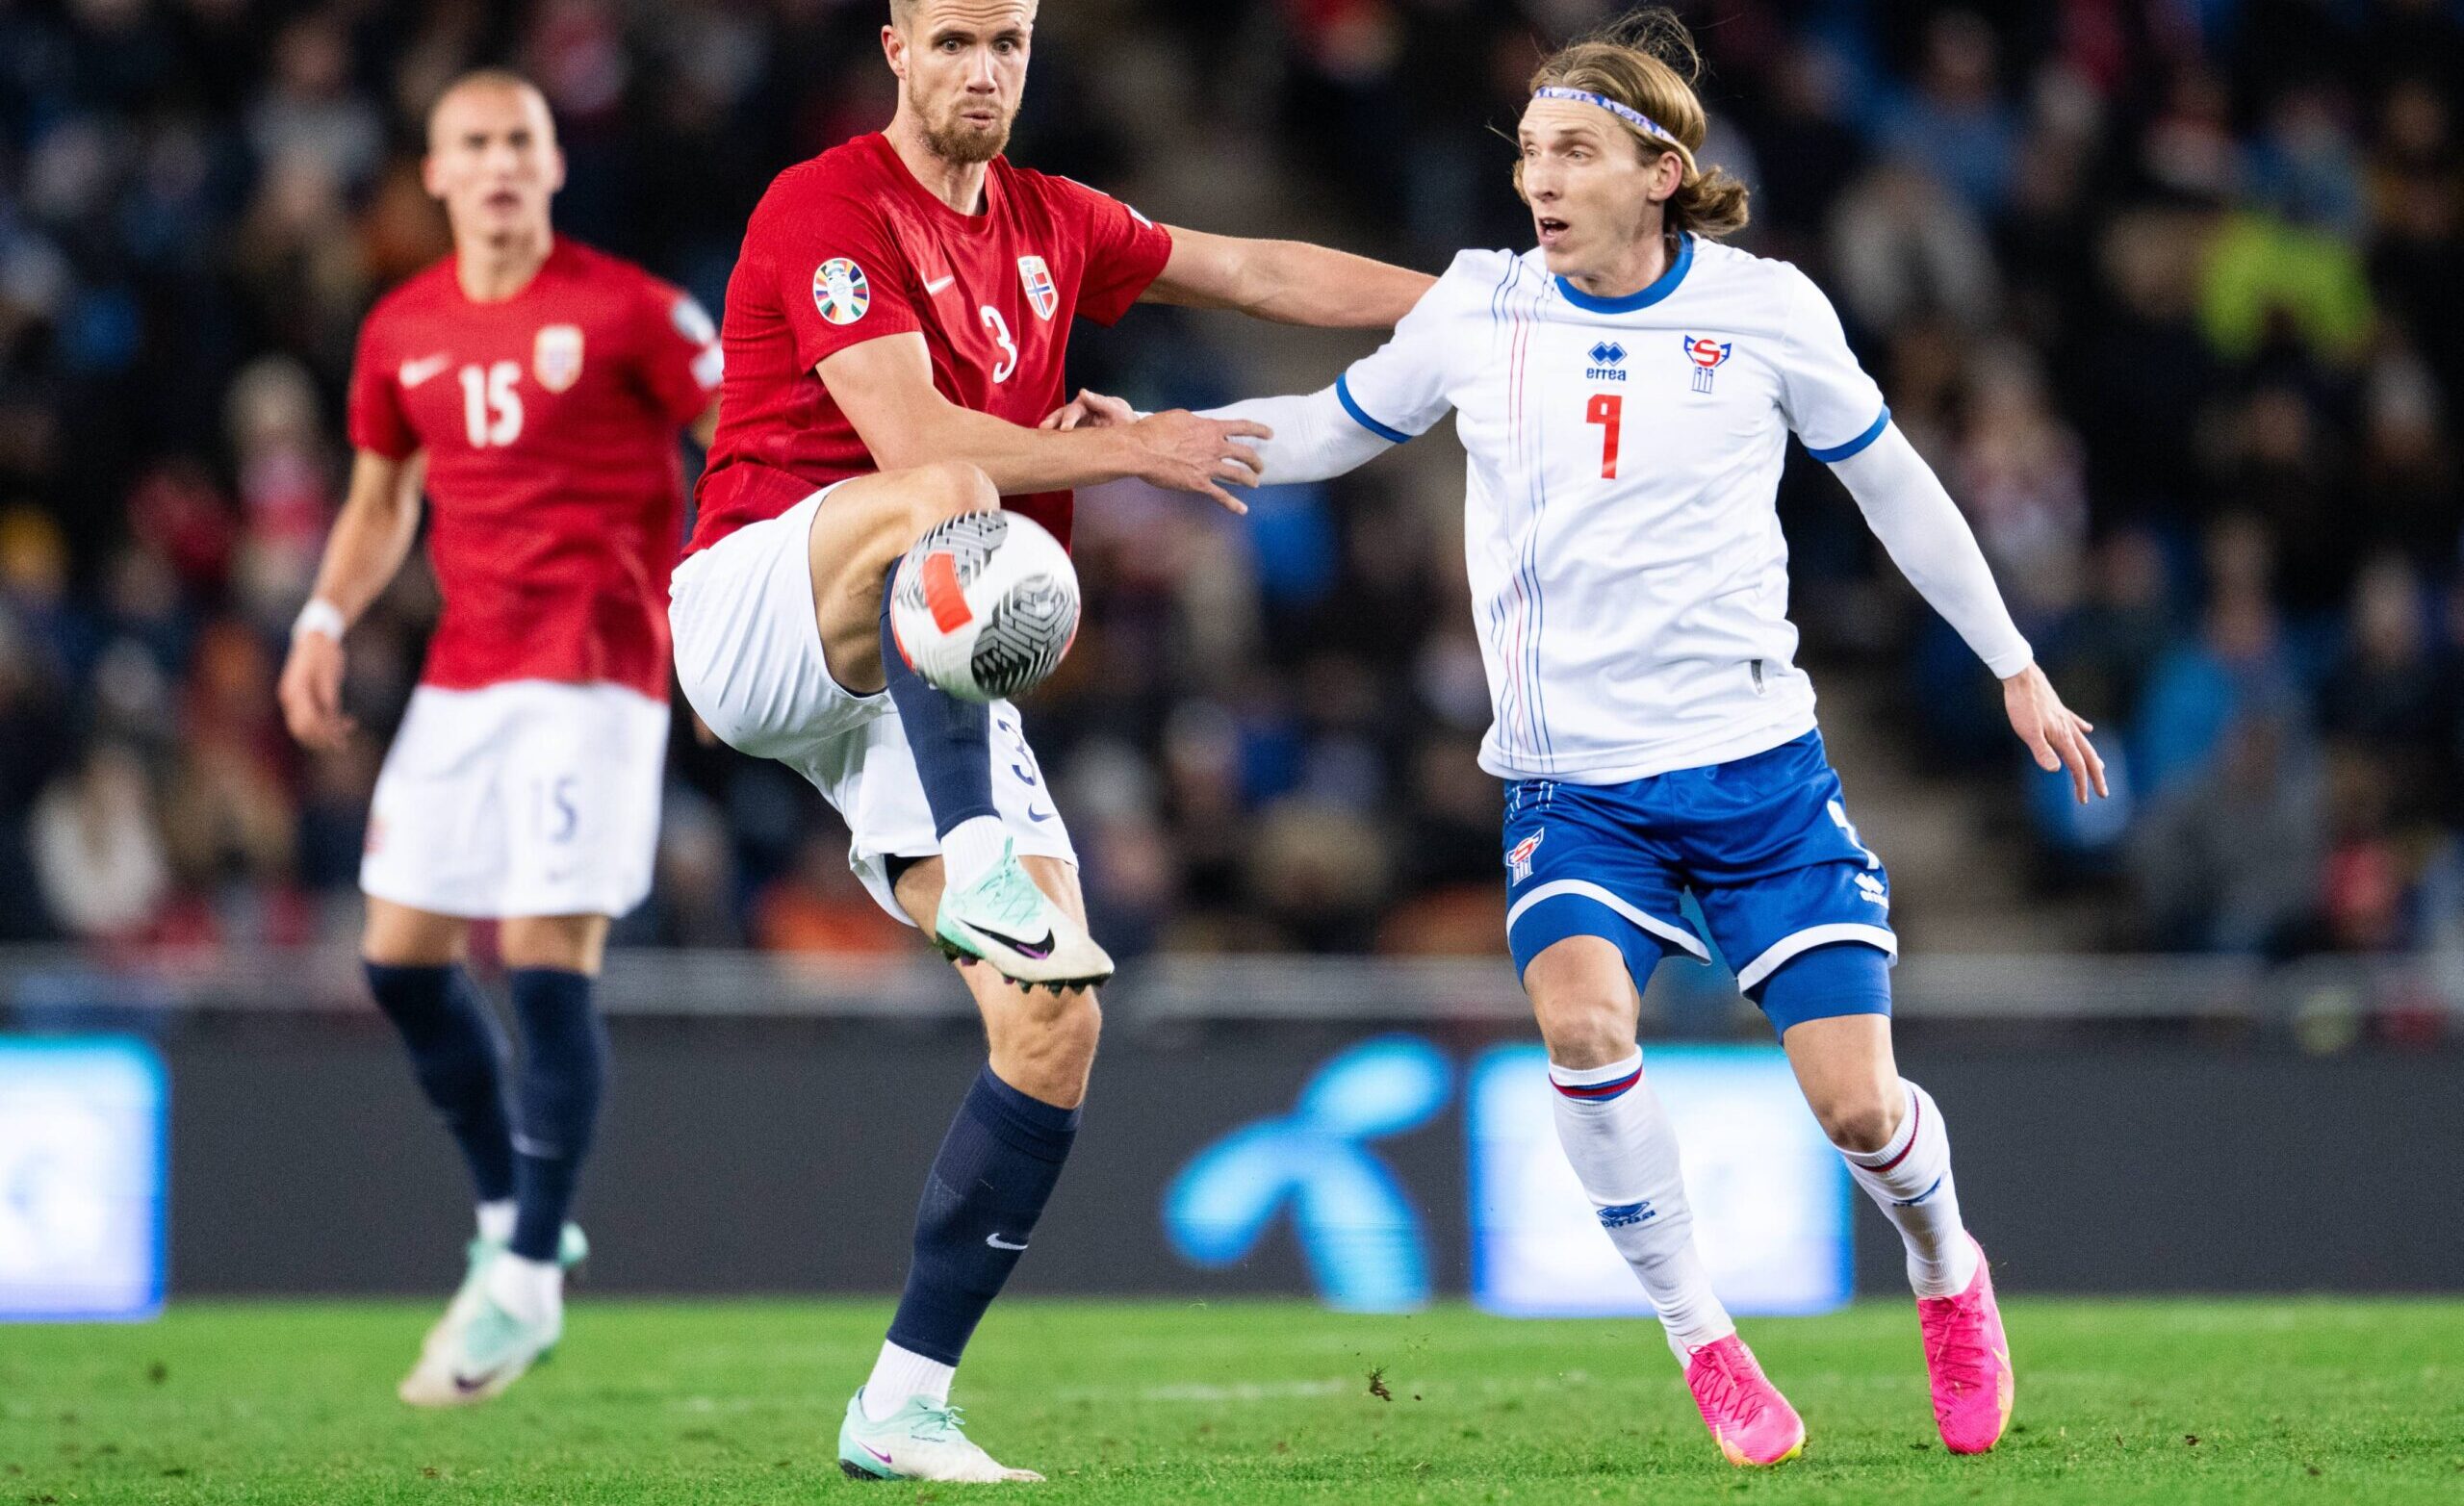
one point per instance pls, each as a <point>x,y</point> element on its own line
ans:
<point>1618,1138</point>
<point>1911,1180</point>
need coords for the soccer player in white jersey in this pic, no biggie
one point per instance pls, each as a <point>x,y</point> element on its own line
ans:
<point>1625,392</point>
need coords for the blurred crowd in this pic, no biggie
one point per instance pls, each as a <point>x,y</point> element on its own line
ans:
<point>2166,290</point>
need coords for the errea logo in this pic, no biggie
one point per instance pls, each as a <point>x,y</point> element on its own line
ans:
<point>1607,363</point>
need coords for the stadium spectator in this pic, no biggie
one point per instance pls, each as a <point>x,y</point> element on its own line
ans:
<point>97,848</point>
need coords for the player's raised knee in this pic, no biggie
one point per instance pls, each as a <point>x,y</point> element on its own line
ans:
<point>947,489</point>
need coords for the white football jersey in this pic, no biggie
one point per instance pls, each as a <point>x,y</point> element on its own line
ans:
<point>1629,579</point>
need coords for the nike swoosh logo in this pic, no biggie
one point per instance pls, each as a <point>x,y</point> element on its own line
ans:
<point>999,1244</point>
<point>414,372</point>
<point>1034,814</point>
<point>1038,950</point>
<point>935,287</point>
<point>875,1452</point>
<point>467,1384</point>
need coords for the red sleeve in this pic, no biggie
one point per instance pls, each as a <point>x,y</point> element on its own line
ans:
<point>679,352</point>
<point>836,271</point>
<point>377,423</point>
<point>1125,251</point>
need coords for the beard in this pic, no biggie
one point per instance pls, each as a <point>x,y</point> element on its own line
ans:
<point>957,140</point>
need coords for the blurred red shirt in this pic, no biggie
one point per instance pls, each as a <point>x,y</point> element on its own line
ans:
<point>555,480</point>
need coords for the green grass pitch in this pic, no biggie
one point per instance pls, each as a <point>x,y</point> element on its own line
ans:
<point>1230,1403</point>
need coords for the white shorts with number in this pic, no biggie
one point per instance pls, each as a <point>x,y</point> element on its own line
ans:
<point>529,797</point>
<point>748,654</point>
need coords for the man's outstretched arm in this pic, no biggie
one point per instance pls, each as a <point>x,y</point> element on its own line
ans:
<point>1290,282</point>
<point>886,389</point>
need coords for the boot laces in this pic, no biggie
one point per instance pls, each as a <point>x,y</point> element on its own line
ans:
<point>1732,1393</point>
<point>1955,1343</point>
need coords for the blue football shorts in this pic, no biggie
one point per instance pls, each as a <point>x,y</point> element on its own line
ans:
<point>1790,897</point>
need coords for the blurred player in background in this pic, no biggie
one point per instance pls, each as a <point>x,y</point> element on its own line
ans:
<point>540,386</point>
<point>895,330</point>
<point>1625,392</point>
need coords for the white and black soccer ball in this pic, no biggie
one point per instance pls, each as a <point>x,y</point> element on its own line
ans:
<point>984,605</point>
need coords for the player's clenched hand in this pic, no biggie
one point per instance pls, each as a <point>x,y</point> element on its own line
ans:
<point>1187,453</point>
<point>311,692</point>
<point>2056,734</point>
<point>1091,410</point>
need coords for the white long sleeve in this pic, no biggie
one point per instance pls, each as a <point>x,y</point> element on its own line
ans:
<point>1315,437</point>
<point>1933,546</point>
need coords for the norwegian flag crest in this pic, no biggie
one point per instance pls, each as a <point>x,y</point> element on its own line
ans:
<point>1041,291</point>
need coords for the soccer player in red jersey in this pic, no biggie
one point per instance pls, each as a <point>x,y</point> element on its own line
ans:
<point>539,385</point>
<point>895,330</point>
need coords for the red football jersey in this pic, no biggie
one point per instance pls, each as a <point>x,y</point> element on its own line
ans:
<point>849,247</point>
<point>555,484</point>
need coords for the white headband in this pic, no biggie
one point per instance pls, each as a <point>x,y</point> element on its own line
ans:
<point>1626,113</point>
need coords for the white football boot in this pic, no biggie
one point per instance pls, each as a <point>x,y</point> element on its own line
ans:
<point>918,1441</point>
<point>1005,920</point>
<point>483,1348</point>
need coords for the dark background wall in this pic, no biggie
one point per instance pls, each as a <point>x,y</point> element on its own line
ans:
<point>786,1155</point>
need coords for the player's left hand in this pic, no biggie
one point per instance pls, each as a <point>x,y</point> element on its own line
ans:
<point>2055,734</point>
<point>1091,410</point>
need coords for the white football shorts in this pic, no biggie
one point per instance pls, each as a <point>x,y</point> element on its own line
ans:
<point>528,798</point>
<point>748,654</point>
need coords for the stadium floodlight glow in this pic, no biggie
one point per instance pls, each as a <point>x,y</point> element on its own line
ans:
<point>82,1174</point>
<point>1771,1198</point>
<point>1366,1244</point>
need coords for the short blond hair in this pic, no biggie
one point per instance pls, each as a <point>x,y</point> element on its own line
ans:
<point>486,78</point>
<point>1648,62</point>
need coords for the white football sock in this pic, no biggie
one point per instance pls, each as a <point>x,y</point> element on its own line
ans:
<point>901,1373</point>
<point>531,1290</point>
<point>1911,1180</point>
<point>495,1220</point>
<point>971,850</point>
<point>1623,1151</point>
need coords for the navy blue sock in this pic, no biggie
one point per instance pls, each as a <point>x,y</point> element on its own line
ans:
<point>564,1070</point>
<point>458,1057</point>
<point>988,1185</point>
<point>952,739</point>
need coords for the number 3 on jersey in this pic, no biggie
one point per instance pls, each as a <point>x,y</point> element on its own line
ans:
<point>1608,411</point>
<point>1000,327</point>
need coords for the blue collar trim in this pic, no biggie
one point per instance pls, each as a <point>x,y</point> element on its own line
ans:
<point>1660,288</point>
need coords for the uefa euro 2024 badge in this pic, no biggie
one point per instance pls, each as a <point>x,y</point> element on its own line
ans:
<point>840,291</point>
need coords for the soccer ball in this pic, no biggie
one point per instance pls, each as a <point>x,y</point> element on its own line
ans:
<point>984,605</point>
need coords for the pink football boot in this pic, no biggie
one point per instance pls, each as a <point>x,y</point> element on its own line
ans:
<point>1748,1418</point>
<point>1968,1358</point>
